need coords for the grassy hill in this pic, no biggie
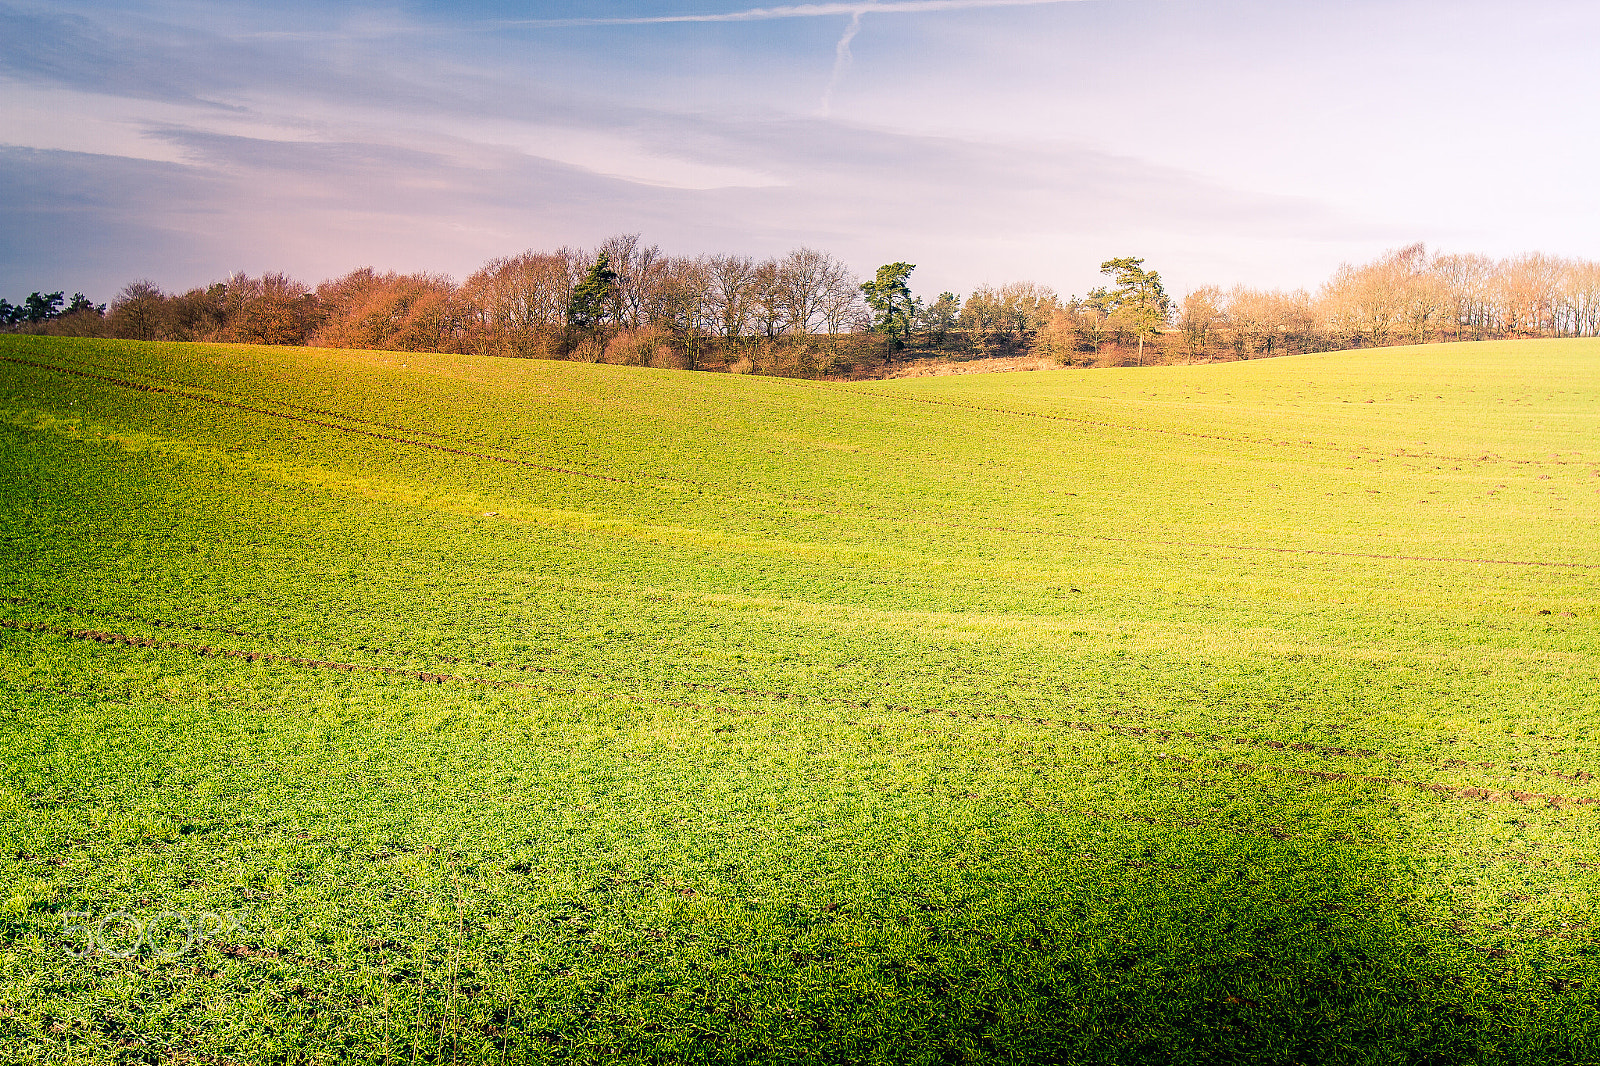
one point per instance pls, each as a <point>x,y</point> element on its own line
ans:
<point>405,708</point>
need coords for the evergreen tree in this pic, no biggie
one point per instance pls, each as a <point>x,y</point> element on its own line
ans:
<point>42,307</point>
<point>893,307</point>
<point>1138,302</point>
<point>591,297</point>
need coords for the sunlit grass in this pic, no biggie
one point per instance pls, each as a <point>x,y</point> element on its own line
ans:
<point>531,711</point>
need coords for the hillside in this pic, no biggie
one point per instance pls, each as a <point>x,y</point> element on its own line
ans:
<point>510,710</point>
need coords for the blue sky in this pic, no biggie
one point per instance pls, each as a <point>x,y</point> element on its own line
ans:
<point>987,141</point>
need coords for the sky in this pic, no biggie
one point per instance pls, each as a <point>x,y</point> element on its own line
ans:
<point>1260,142</point>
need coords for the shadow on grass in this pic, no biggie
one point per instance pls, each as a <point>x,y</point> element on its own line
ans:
<point>1180,950</point>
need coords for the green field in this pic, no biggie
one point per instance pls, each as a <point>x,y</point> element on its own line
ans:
<point>406,708</point>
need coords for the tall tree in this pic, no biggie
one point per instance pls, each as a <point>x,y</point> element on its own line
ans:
<point>686,306</point>
<point>518,305</point>
<point>1268,321</point>
<point>395,312</point>
<point>803,281</point>
<point>639,270</point>
<point>1202,311</point>
<point>138,312</point>
<point>983,312</point>
<point>591,297</point>
<point>1025,306</point>
<point>1368,302</point>
<point>841,307</point>
<point>731,292</point>
<point>889,296</point>
<point>767,298</point>
<point>1138,302</point>
<point>271,309</point>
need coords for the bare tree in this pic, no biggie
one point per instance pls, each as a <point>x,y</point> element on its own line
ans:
<point>685,306</point>
<point>984,311</point>
<point>1058,337</point>
<point>518,305</point>
<point>810,285</point>
<point>1580,293</point>
<point>1528,288</point>
<point>1368,302</point>
<point>767,299</point>
<point>731,285</point>
<point>271,309</point>
<point>639,268</point>
<point>139,312</point>
<point>842,308</point>
<point>1269,321</point>
<point>1427,305</point>
<point>1199,318</point>
<point>1469,279</point>
<point>1091,322</point>
<point>1024,306</point>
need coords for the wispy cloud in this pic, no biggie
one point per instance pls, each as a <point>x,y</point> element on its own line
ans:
<point>841,60</point>
<point>793,11</point>
<point>156,137</point>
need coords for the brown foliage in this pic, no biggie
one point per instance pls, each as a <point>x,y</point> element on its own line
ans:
<point>138,313</point>
<point>1060,339</point>
<point>394,312</point>
<point>646,346</point>
<point>802,314</point>
<point>271,309</point>
<point>517,306</point>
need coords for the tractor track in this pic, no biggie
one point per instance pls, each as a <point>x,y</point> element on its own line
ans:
<point>178,390</point>
<point>143,387</point>
<point>842,389</point>
<point>1160,734</point>
<point>1192,434</point>
<point>1304,747</point>
<point>204,394</point>
<point>188,387</point>
<point>1467,792</point>
<point>1275,831</point>
<point>1308,551</point>
<point>104,637</point>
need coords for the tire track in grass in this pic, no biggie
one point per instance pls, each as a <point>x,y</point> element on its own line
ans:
<point>154,623</point>
<point>1211,546</point>
<point>1330,552</point>
<point>1275,831</point>
<point>849,390</point>
<point>1304,747</point>
<point>821,505</point>
<point>1473,792</point>
<point>1167,431</point>
<point>187,385</point>
<point>200,394</point>
<point>141,387</point>
<point>1470,792</point>
<point>128,640</point>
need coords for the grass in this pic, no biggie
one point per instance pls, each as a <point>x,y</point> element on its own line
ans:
<point>424,708</point>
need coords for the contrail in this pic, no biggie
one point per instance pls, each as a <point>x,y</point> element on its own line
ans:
<point>793,11</point>
<point>841,60</point>
<point>841,52</point>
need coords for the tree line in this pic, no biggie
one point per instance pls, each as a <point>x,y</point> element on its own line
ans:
<point>806,314</point>
<point>1407,296</point>
<point>40,308</point>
